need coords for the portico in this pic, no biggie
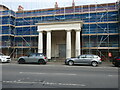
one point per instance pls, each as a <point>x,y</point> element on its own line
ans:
<point>58,34</point>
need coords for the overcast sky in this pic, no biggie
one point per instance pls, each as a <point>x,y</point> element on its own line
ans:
<point>43,4</point>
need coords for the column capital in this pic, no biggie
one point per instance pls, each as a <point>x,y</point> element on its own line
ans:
<point>68,30</point>
<point>40,31</point>
<point>48,30</point>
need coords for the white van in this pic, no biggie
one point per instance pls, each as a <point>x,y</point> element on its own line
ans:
<point>4,58</point>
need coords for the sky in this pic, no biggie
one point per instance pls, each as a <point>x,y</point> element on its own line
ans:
<point>44,4</point>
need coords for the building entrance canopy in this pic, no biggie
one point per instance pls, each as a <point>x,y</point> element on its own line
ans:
<point>67,26</point>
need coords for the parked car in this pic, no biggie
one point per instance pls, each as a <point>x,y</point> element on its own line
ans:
<point>33,58</point>
<point>116,61</point>
<point>4,58</point>
<point>89,59</point>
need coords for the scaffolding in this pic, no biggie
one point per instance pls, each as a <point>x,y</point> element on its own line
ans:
<point>7,26</point>
<point>100,33</point>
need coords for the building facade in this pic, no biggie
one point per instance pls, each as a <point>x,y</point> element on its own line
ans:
<point>62,32</point>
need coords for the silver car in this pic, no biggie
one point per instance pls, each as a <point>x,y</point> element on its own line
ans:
<point>33,58</point>
<point>88,59</point>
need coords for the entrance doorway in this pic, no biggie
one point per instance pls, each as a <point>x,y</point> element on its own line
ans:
<point>59,33</point>
<point>62,50</point>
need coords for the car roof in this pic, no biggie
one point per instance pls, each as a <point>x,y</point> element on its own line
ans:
<point>89,54</point>
<point>36,53</point>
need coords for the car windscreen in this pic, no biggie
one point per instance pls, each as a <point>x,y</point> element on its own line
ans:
<point>36,54</point>
<point>39,54</point>
<point>95,56</point>
<point>117,57</point>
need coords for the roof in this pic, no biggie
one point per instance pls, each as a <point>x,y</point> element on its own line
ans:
<point>4,7</point>
<point>92,5</point>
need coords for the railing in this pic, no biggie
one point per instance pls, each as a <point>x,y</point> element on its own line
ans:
<point>101,45</point>
<point>64,11</point>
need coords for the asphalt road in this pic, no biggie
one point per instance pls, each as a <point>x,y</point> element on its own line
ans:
<point>58,76</point>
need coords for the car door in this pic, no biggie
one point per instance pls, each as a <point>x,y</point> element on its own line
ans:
<point>88,59</point>
<point>81,59</point>
<point>31,58</point>
<point>85,59</point>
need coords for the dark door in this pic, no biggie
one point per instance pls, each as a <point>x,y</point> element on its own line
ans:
<point>62,50</point>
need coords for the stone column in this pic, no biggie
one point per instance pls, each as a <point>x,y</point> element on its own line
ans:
<point>77,43</point>
<point>40,42</point>
<point>68,44</point>
<point>49,44</point>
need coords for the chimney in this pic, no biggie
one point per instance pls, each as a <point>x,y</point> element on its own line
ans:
<point>73,4</point>
<point>20,8</point>
<point>56,5</point>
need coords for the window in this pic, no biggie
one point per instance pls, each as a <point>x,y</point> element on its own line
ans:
<point>39,54</point>
<point>95,56</point>
<point>82,56</point>
<point>33,55</point>
<point>89,56</point>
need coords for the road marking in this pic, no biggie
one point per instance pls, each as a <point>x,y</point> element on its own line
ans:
<point>44,83</point>
<point>71,74</point>
<point>113,75</point>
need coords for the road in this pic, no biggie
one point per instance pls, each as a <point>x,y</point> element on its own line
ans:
<point>58,76</point>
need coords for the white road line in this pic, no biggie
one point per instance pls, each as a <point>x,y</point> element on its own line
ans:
<point>113,75</point>
<point>48,73</point>
<point>44,83</point>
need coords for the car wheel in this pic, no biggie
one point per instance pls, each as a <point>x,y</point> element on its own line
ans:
<point>41,61</point>
<point>116,65</point>
<point>21,61</point>
<point>70,63</point>
<point>94,64</point>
